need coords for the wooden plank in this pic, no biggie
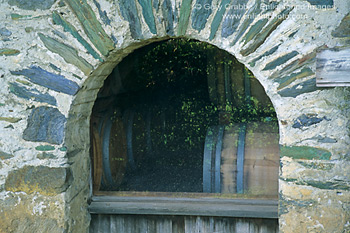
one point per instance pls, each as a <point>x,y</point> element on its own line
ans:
<point>333,67</point>
<point>185,206</point>
<point>188,224</point>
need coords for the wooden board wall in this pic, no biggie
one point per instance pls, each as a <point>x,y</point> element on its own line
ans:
<point>333,67</point>
<point>179,224</point>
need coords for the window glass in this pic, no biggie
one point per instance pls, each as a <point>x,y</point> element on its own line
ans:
<point>184,116</point>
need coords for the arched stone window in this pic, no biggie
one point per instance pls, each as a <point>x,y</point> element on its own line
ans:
<point>182,118</point>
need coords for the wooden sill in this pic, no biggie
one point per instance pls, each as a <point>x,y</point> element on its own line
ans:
<point>188,204</point>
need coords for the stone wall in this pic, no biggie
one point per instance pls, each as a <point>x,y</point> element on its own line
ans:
<point>56,54</point>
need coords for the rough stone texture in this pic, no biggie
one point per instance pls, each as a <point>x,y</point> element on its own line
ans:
<point>285,81</point>
<point>252,12</point>
<point>9,52</point>
<point>306,120</point>
<point>320,202</point>
<point>314,177</point>
<point>324,139</point>
<point>343,30</point>
<point>103,14</point>
<point>254,30</point>
<point>321,3</point>
<point>185,11</point>
<point>319,205</point>
<point>267,53</point>
<point>5,32</point>
<point>45,124</point>
<point>262,36</point>
<point>44,180</point>
<point>33,94</point>
<point>233,18</point>
<point>4,155</point>
<point>128,9</point>
<point>32,4</point>
<point>305,152</point>
<point>200,14</point>
<point>52,81</point>
<point>44,148</point>
<point>10,119</point>
<point>58,19</point>
<point>69,54</point>
<point>45,156</point>
<point>148,14</point>
<point>281,60</point>
<point>92,27</point>
<point>169,17</point>
<point>31,213</point>
<point>298,89</point>
<point>307,60</point>
<point>217,19</point>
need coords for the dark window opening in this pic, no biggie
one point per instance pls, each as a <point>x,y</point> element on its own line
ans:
<point>184,116</point>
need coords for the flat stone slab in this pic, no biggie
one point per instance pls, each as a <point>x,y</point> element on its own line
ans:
<point>45,124</point>
<point>45,180</point>
<point>50,80</point>
<point>32,4</point>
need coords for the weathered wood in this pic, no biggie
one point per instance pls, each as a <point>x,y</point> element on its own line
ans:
<point>333,67</point>
<point>184,206</point>
<point>179,224</point>
<point>97,159</point>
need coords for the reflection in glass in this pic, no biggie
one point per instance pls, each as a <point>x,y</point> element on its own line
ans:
<point>183,116</point>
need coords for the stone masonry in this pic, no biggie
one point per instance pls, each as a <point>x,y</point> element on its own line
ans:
<point>56,54</point>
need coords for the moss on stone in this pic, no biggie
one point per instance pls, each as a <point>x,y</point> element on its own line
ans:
<point>185,11</point>
<point>69,54</point>
<point>10,119</point>
<point>317,165</point>
<point>305,152</point>
<point>9,52</point>
<point>58,19</point>
<point>92,26</point>
<point>4,155</point>
<point>45,148</point>
<point>45,180</point>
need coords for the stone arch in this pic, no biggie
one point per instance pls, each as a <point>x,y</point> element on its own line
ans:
<point>84,40</point>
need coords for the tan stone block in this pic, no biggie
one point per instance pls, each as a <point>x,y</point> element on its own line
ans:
<point>29,213</point>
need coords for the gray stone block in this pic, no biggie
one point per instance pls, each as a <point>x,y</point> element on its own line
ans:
<point>45,124</point>
<point>32,4</point>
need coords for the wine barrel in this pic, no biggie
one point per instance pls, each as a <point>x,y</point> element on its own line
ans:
<point>96,158</point>
<point>242,158</point>
<point>114,150</point>
<point>137,124</point>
